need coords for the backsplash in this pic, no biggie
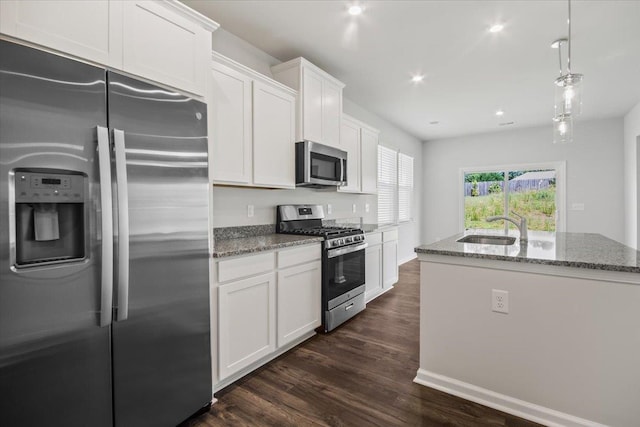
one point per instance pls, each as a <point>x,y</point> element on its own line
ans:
<point>230,204</point>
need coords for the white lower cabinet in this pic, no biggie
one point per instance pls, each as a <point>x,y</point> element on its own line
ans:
<point>373,271</point>
<point>299,301</point>
<point>389,258</point>
<point>247,322</point>
<point>266,302</point>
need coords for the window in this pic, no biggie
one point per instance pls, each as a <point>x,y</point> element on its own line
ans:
<point>405,186</point>
<point>387,185</point>
<point>395,186</point>
<point>533,191</point>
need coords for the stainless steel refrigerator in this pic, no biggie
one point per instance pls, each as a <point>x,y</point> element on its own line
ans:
<point>104,294</point>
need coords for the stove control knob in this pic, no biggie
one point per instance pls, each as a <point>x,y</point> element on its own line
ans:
<point>348,240</point>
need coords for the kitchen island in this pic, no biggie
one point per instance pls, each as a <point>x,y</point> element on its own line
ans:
<point>567,350</point>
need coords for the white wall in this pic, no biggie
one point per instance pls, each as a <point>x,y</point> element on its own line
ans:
<point>631,176</point>
<point>392,137</point>
<point>230,203</point>
<point>595,173</point>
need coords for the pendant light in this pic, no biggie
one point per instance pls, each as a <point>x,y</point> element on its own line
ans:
<point>568,92</point>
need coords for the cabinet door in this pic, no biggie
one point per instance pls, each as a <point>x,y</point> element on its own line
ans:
<point>79,28</point>
<point>246,322</point>
<point>389,263</point>
<point>274,116</point>
<point>369,163</point>
<point>350,142</point>
<point>312,106</point>
<point>229,110</point>
<point>163,46</point>
<point>331,113</point>
<point>373,272</point>
<point>299,301</point>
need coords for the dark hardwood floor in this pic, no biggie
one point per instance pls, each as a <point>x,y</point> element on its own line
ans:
<point>358,375</point>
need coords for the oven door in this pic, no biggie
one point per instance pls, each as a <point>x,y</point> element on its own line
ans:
<point>344,272</point>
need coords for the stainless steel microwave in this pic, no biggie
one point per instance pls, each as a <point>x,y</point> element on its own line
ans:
<point>319,165</point>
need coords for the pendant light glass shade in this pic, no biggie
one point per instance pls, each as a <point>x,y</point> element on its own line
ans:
<point>568,98</point>
<point>562,129</point>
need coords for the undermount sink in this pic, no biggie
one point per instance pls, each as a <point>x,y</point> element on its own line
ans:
<point>482,239</point>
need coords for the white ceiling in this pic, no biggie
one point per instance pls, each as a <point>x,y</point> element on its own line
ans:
<point>470,73</point>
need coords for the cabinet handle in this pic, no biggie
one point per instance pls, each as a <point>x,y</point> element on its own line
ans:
<point>349,307</point>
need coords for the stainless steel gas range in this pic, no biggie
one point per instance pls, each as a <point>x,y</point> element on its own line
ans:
<point>343,259</point>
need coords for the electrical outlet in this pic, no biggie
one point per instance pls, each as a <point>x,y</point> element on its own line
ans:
<point>329,209</point>
<point>366,207</point>
<point>250,211</point>
<point>354,208</point>
<point>499,301</point>
<point>577,206</point>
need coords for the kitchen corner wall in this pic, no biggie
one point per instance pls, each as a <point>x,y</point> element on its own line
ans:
<point>230,203</point>
<point>595,173</point>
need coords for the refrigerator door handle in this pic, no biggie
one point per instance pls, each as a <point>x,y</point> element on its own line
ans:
<point>122,312</point>
<point>106,291</point>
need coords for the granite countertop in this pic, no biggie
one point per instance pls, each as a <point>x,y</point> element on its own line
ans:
<point>580,250</point>
<point>246,245</point>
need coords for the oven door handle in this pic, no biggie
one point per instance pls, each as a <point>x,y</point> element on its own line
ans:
<point>343,251</point>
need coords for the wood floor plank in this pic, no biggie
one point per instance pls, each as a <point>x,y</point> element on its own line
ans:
<point>361,374</point>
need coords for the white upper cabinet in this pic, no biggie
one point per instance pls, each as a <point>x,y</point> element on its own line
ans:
<point>311,105</point>
<point>230,127</point>
<point>360,141</point>
<point>369,160</point>
<point>78,28</point>
<point>252,122</point>
<point>320,100</point>
<point>164,46</point>
<point>274,127</point>
<point>350,142</point>
<point>164,41</point>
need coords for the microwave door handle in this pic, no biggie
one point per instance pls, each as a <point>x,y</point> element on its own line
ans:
<point>106,227</point>
<point>122,313</point>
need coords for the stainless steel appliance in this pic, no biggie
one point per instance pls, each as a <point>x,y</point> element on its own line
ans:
<point>319,165</point>
<point>104,295</point>
<point>343,258</point>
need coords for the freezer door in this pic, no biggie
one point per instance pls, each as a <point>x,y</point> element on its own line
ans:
<point>161,344</point>
<point>54,356</point>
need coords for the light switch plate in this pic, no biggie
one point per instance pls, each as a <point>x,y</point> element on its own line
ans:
<point>366,207</point>
<point>354,208</point>
<point>250,211</point>
<point>329,210</point>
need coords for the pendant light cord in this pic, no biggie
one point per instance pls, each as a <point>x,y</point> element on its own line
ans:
<point>569,53</point>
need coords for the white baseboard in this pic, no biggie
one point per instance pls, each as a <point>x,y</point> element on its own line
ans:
<point>501,402</point>
<point>403,261</point>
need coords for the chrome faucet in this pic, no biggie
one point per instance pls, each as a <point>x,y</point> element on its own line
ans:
<point>521,224</point>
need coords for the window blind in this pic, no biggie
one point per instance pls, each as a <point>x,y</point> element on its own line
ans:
<point>405,186</point>
<point>387,185</point>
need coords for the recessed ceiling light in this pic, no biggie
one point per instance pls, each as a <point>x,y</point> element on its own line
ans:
<point>417,78</point>
<point>355,10</point>
<point>499,113</point>
<point>506,124</point>
<point>435,122</point>
<point>496,28</point>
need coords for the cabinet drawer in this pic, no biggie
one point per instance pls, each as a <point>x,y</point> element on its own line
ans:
<point>289,257</point>
<point>245,266</point>
<point>373,238</point>
<point>391,235</point>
